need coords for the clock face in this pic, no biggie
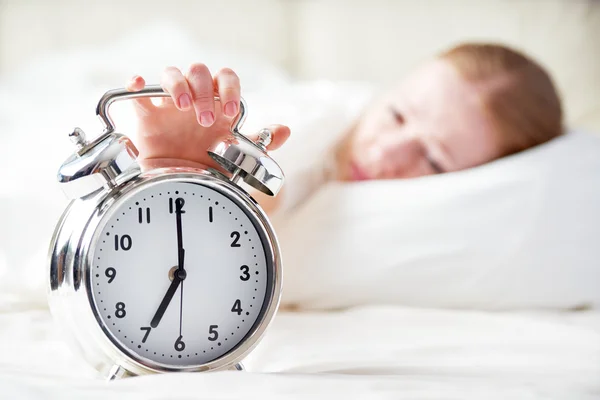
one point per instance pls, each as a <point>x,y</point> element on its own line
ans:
<point>180,274</point>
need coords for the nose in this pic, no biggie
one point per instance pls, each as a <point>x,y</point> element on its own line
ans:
<point>399,157</point>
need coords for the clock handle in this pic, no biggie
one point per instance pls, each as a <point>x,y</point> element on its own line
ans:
<point>244,158</point>
<point>110,158</point>
<point>102,109</point>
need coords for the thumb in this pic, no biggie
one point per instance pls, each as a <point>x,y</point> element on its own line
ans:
<point>279,135</point>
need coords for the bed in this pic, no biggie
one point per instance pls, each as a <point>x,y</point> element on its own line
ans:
<point>465,350</point>
<point>365,352</point>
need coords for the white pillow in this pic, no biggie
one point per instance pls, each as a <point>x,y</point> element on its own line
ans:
<point>521,232</point>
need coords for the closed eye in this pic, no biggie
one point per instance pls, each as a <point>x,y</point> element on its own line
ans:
<point>398,116</point>
<point>434,165</point>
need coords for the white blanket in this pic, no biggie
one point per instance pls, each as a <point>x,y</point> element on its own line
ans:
<point>372,352</point>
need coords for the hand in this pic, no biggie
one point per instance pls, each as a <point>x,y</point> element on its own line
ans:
<point>179,131</point>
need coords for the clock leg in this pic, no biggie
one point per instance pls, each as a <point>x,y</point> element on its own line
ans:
<point>117,372</point>
<point>237,367</point>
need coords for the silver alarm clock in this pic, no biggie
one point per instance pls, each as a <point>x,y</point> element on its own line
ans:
<point>173,269</point>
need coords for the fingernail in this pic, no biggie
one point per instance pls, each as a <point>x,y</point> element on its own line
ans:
<point>185,101</point>
<point>231,109</point>
<point>207,118</point>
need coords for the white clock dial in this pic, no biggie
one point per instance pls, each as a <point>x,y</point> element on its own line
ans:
<point>179,312</point>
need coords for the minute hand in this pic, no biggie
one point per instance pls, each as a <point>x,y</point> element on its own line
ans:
<point>178,211</point>
<point>181,255</point>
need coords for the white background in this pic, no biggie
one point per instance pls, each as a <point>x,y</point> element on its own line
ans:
<point>375,41</point>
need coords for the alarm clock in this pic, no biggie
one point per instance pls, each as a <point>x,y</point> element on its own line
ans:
<point>166,270</point>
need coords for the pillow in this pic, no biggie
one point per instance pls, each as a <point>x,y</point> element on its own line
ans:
<point>520,232</point>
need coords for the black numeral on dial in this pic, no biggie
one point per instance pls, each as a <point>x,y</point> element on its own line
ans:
<point>235,235</point>
<point>141,215</point>
<point>212,331</point>
<point>179,344</point>
<point>120,310</point>
<point>124,243</point>
<point>245,273</point>
<point>110,274</point>
<point>179,202</point>
<point>210,214</point>
<point>147,329</point>
<point>237,307</point>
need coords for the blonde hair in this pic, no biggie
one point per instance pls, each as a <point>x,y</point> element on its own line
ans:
<point>517,94</point>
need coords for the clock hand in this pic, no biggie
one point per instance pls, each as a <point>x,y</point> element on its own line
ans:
<point>178,278</point>
<point>181,255</point>
<point>180,251</point>
<point>166,300</point>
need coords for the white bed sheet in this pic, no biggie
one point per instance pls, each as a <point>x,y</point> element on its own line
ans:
<point>375,352</point>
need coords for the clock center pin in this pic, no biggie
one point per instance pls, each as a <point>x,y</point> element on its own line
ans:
<point>174,271</point>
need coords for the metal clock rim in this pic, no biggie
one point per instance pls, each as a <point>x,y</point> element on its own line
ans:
<point>107,344</point>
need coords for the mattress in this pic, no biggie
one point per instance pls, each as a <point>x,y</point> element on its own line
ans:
<point>375,352</point>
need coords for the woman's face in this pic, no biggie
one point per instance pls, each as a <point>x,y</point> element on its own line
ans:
<point>433,122</point>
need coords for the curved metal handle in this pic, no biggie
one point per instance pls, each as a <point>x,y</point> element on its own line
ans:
<point>149,91</point>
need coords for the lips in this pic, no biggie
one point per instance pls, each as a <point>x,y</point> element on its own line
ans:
<point>357,173</point>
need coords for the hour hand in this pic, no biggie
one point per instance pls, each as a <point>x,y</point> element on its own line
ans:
<point>165,301</point>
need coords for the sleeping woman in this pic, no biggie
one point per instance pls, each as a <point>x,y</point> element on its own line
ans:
<point>468,106</point>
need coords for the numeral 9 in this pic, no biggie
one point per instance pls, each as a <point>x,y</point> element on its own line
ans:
<point>110,274</point>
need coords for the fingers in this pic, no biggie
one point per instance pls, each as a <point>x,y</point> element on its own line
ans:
<point>197,90</point>
<point>227,85</point>
<point>201,84</point>
<point>143,104</point>
<point>174,83</point>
